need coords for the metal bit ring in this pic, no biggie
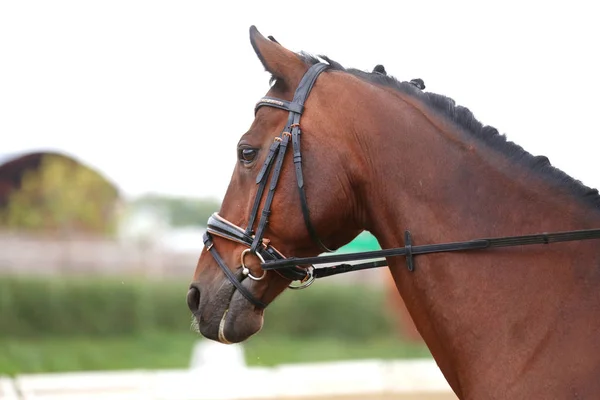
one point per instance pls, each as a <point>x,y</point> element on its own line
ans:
<point>246,270</point>
<point>310,278</point>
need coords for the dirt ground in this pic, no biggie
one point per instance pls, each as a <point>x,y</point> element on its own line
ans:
<point>424,396</point>
<point>412,396</point>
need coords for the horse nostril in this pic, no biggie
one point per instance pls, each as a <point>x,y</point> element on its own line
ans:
<point>193,299</point>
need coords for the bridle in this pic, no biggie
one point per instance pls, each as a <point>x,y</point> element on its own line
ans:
<point>255,241</point>
<point>272,259</point>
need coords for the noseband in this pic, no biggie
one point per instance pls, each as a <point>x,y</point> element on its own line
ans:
<point>254,240</point>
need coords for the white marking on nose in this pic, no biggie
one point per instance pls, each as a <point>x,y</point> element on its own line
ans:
<point>222,337</point>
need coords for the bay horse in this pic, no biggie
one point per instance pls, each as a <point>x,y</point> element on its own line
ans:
<point>374,153</point>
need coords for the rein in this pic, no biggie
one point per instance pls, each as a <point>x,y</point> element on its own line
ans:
<point>409,251</point>
<point>272,260</point>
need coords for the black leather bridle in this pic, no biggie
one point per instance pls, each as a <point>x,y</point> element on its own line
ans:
<point>271,259</point>
<point>255,241</point>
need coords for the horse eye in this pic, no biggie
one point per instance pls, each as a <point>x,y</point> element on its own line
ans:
<point>247,155</point>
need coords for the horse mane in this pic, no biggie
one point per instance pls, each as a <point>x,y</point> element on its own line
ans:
<point>464,118</point>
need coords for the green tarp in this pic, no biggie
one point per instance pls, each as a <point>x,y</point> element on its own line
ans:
<point>365,241</point>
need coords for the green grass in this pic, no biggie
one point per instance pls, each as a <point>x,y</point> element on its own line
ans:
<point>267,351</point>
<point>168,350</point>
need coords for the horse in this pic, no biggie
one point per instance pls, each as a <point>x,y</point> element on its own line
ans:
<point>378,154</point>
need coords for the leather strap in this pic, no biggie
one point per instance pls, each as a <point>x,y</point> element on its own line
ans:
<point>279,103</point>
<point>230,275</point>
<point>274,160</point>
<point>411,250</point>
<point>295,107</point>
<point>264,220</point>
<point>261,180</point>
<point>296,131</point>
<point>302,91</point>
<point>220,227</point>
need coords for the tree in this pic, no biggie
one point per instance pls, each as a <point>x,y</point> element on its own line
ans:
<point>61,196</point>
<point>180,210</point>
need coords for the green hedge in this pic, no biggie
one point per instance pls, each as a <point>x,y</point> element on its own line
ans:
<point>43,307</point>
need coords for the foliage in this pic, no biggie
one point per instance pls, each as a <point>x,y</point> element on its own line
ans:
<point>182,211</point>
<point>59,196</point>
<point>100,307</point>
<point>66,324</point>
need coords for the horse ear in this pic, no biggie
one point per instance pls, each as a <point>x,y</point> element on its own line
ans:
<point>279,61</point>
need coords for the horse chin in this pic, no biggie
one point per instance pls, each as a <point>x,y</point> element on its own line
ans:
<point>233,320</point>
<point>240,321</point>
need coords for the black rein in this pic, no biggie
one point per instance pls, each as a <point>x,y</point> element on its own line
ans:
<point>409,251</point>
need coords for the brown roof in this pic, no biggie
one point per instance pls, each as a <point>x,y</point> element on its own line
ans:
<point>13,167</point>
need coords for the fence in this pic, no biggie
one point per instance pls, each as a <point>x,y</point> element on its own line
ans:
<point>31,254</point>
<point>40,255</point>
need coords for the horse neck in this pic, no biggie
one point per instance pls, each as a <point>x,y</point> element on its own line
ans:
<point>483,311</point>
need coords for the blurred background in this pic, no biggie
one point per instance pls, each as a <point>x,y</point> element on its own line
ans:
<point>91,280</point>
<point>110,113</point>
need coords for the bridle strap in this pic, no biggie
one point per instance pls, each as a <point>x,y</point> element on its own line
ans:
<point>261,181</point>
<point>292,129</point>
<point>264,219</point>
<point>296,132</point>
<point>208,243</point>
<point>302,92</point>
<point>223,228</point>
<point>220,227</point>
<point>278,103</point>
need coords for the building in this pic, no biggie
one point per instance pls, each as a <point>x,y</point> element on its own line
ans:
<point>49,190</point>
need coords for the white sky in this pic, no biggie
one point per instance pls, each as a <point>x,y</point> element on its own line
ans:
<point>156,93</point>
